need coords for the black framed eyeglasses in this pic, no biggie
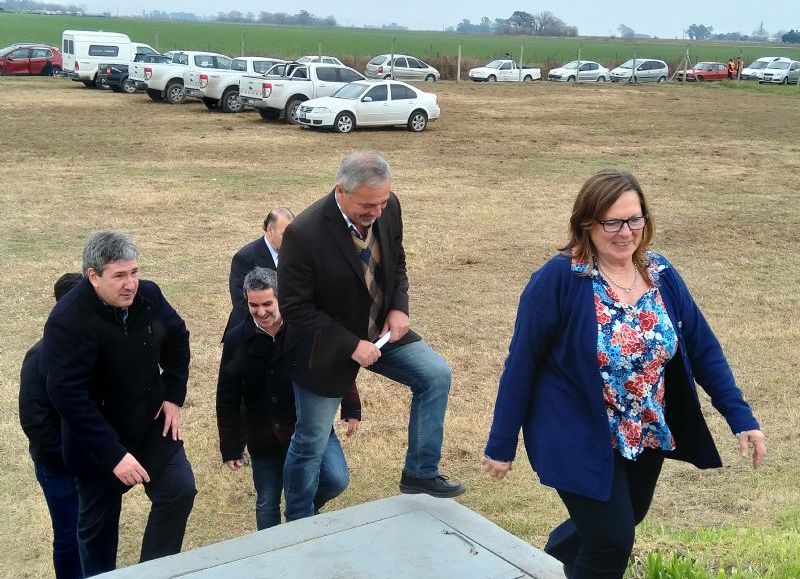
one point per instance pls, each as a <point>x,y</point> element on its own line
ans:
<point>614,225</point>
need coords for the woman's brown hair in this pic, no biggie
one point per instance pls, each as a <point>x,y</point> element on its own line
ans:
<point>598,194</point>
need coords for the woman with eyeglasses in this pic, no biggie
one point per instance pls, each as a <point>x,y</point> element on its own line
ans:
<point>600,376</point>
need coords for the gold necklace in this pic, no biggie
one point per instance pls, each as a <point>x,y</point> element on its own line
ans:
<point>620,286</point>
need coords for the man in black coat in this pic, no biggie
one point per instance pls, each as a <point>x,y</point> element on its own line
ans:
<point>42,425</point>
<point>262,252</point>
<point>116,356</point>
<point>254,373</point>
<point>343,285</point>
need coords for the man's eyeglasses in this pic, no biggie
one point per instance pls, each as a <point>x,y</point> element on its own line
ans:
<point>614,225</point>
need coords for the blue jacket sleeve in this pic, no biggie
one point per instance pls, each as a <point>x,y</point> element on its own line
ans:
<point>710,368</point>
<point>534,332</point>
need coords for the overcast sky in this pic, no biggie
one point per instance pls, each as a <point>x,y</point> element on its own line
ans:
<point>666,19</point>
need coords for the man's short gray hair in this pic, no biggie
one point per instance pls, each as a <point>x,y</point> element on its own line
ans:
<point>362,168</point>
<point>259,279</point>
<point>104,247</point>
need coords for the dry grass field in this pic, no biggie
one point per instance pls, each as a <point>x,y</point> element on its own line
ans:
<point>486,195</point>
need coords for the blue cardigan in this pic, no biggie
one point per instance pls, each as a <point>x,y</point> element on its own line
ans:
<point>551,386</point>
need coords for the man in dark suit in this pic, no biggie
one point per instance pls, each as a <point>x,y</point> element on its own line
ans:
<point>253,373</point>
<point>263,252</point>
<point>42,425</point>
<point>343,285</point>
<point>116,356</point>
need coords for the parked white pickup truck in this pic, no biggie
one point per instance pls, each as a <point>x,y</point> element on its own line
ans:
<point>504,70</point>
<point>165,81</point>
<point>274,96</point>
<point>220,88</point>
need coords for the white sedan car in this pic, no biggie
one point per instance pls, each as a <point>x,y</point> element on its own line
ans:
<point>369,103</point>
<point>590,71</point>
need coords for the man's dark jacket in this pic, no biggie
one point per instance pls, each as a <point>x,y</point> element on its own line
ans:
<point>108,380</point>
<point>254,254</point>
<point>40,421</point>
<point>254,370</point>
<point>324,297</point>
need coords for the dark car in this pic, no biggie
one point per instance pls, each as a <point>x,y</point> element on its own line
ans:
<point>29,59</point>
<point>115,76</point>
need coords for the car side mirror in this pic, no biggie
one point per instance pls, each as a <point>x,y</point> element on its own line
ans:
<point>367,99</point>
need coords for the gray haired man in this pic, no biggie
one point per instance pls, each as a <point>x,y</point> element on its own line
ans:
<point>116,356</point>
<point>344,285</point>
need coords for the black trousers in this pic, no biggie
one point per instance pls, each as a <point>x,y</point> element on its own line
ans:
<point>596,541</point>
<point>171,493</point>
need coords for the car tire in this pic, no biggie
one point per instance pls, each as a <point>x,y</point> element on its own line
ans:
<point>345,122</point>
<point>785,80</point>
<point>571,79</point>
<point>387,77</point>
<point>211,104</point>
<point>269,114</point>
<point>88,83</point>
<point>230,102</point>
<point>173,93</point>
<point>662,79</point>
<point>528,78</point>
<point>290,111</point>
<point>430,78</point>
<point>127,85</point>
<point>492,78</point>
<point>100,83</point>
<point>601,78</point>
<point>155,95</point>
<point>417,121</point>
<point>699,78</point>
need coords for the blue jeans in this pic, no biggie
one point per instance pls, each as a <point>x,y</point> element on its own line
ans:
<point>171,493</point>
<point>417,366</point>
<point>62,502</point>
<point>268,481</point>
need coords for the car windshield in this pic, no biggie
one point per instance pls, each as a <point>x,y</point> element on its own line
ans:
<point>573,64</point>
<point>495,64</point>
<point>351,91</point>
<point>703,66</point>
<point>758,65</point>
<point>780,65</point>
<point>627,64</point>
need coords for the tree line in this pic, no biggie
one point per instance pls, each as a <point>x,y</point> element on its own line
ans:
<point>519,23</point>
<point>302,18</point>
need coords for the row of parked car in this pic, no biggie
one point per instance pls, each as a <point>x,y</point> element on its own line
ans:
<point>768,69</point>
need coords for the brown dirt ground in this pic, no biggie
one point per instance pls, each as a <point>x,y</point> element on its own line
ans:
<point>486,193</point>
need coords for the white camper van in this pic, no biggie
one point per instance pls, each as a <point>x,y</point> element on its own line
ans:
<point>83,50</point>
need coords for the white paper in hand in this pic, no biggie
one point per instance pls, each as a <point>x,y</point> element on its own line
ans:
<point>383,340</point>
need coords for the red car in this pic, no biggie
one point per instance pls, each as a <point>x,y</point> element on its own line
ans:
<point>704,71</point>
<point>30,59</point>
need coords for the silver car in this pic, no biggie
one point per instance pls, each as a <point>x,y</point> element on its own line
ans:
<point>405,68</point>
<point>647,70</point>
<point>781,72</point>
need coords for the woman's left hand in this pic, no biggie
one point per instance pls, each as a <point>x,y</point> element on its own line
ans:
<point>757,439</point>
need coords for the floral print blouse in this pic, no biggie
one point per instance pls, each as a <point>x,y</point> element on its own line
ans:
<point>634,344</point>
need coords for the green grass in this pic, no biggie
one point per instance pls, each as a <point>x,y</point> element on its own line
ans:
<point>357,44</point>
<point>737,553</point>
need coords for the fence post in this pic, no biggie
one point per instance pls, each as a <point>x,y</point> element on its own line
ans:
<point>519,74</point>
<point>578,68</point>
<point>158,49</point>
<point>458,66</point>
<point>391,62</point>
<point>243,35</point>
<point>319,50</point>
